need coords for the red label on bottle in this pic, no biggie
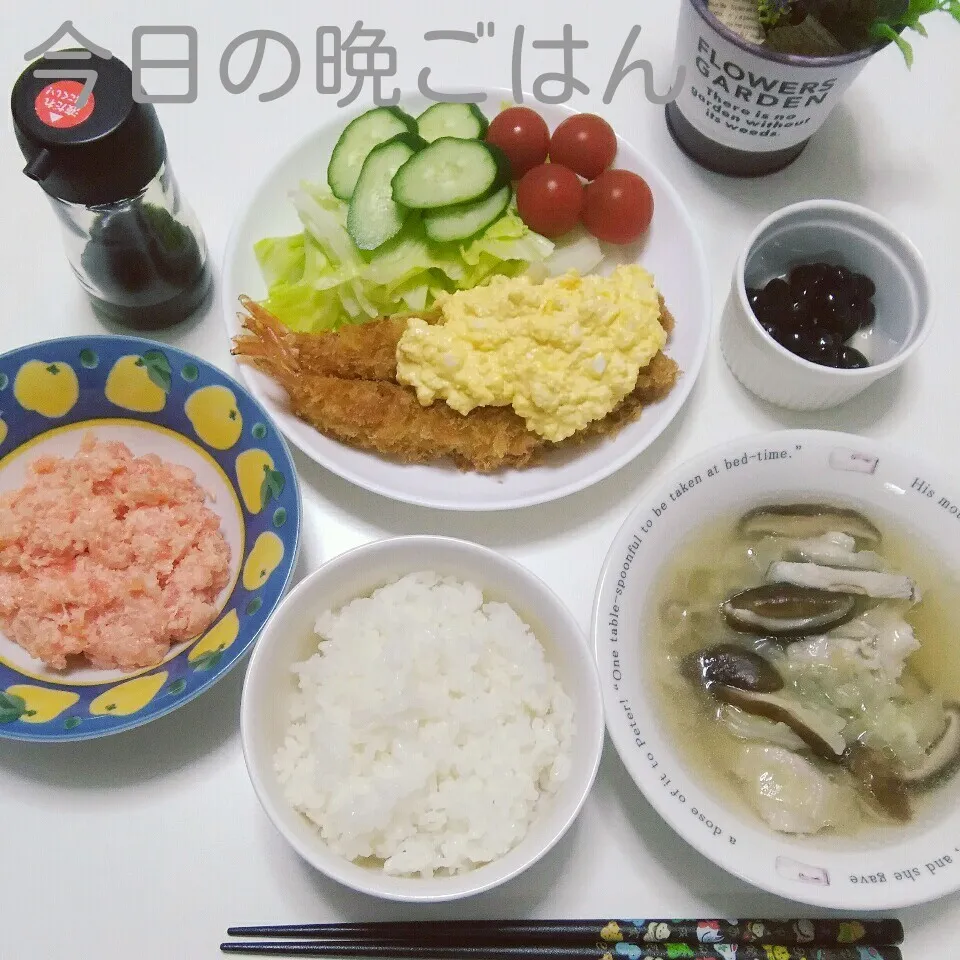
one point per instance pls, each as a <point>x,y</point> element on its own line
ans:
<point>56,104</point>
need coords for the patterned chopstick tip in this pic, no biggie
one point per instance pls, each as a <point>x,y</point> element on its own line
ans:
<point>623,934</point>
<point>733,951</point>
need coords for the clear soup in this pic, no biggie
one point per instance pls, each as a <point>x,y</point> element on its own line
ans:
<point>899,713</point>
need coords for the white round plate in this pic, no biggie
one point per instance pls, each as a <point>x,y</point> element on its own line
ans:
<point>671,251</point>
<point>886,868</point>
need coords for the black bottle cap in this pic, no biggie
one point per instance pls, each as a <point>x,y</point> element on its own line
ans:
<point>107,150</point>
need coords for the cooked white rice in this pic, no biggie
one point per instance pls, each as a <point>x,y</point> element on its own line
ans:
<point>428,731</point>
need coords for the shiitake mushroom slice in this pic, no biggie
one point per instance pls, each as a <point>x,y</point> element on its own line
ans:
<point>732,666</point>
<point>784,610</point>
<point>805,723</point>
<point>804,520</point>
<point>878,780</point>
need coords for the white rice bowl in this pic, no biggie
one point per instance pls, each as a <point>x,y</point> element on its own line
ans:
<point>272,687</point>
<point>429,730</point>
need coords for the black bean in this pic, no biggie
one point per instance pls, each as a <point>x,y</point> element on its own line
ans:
<point>777,294</point>
<point>822,270</point>
<point>863,288</point>
<point>799,310</point>
<point>829,312</point>
<point>838,279</point>
<point>796,341</point>
<point>849,358</point>
<point>763,310</point>
<point>804,280</point>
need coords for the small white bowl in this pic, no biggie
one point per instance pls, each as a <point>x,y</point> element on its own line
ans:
<point>844,234</point>
<point>881,870</point>
<point>288,638</point>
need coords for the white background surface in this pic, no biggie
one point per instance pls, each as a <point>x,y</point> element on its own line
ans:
<point>149,844</point>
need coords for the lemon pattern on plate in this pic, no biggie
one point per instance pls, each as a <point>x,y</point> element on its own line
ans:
<point>209,649</point>
<point>259,482</point>
<point>50,389</point>
<point>214,415</point>
<point>41,704</point>
<point>128,697</point>
<point>140,383</point>
<point>3,431</point>
<point>264,558</point>
<point>252,469</point>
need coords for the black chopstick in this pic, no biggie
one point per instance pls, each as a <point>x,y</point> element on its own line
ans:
<point>291,948</point>
<point>822,933</point>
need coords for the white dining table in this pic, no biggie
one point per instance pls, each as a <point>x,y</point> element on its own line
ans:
<point>149,844</point>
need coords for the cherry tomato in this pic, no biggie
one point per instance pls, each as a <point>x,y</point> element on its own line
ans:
<point>549,199</point>
<point>617,206</point>
<point>585,143</point>
<point>522,134</point>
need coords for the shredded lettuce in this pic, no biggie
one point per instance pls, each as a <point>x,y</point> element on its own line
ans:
<point>281,259</point>
<point>319,280</point>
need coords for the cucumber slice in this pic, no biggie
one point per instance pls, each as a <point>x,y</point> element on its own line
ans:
<point>448,171</point>
<point>463,120</point>
<point>464,220</point>
<point>373,216</point>
<point>359,137</point>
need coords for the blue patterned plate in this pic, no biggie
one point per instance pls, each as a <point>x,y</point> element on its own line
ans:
<point>155,399</point>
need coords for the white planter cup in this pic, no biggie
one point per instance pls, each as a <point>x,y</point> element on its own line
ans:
<point>744,110</point>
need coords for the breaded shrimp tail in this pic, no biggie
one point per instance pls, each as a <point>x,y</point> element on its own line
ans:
<point>364,352</point>
<point>267,344</point>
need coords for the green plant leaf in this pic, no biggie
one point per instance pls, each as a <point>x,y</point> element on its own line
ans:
<point>189,372</point>
<point>158,369</point>
<point>917,9</point>
<point>771,12</point>
<point>89,359</point>
<point>259,431</point>
<point>883,31</point>
<point>72,723</point>
<point>279,517</point>
<point>177,687</point>
<point>253,606</point>
<point>53,368</point>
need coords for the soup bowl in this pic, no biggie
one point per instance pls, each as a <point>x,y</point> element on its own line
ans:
<point>878,868</point>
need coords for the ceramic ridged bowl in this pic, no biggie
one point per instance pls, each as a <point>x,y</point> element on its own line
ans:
<point>843,234</point>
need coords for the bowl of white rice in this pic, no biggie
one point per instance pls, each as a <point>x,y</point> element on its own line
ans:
<point>422,719</point>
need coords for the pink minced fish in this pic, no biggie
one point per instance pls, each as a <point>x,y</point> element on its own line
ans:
<point>109,557</point>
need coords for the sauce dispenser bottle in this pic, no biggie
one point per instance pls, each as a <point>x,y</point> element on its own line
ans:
<point>133,242</point>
